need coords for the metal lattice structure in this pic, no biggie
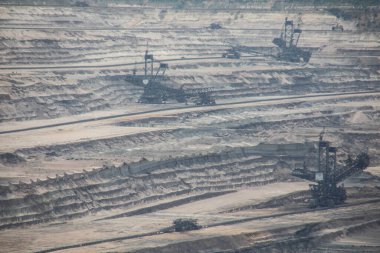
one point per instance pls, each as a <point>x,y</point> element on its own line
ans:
<point>326,190</point>
<point>148,67</point>
<point>158,89</point>
<point>288,41</point>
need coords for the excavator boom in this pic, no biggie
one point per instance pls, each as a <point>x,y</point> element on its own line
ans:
<point>325,190</point>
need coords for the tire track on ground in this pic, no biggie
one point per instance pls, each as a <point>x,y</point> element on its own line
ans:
<point>185,109</point>
<point>169,230</point>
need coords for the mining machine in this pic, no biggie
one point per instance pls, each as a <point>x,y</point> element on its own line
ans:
<point>287,46</point>
<point>337,27</point>
<point>155,92</point>
<point>232,53</point>
<point>200,96</point>
<point>158,88</point>
<point>288,41</point>
<point>215,26</point>
<point>327,189</point>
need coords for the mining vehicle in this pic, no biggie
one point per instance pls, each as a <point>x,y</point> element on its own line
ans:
<point>204,98</point>
<point>327,190</point>
<point>337,27</point>
<point>158,89</point>
<point>156,93</point>
<point>287,44</point>
<point>155,89</point>
<point>215,26</point>
<point>231,53</point>
<point>186,224</point>
<point>200,96</point>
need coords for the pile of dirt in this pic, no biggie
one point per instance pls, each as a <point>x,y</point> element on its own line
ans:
<point>359,118</point>
<point>10,158</point>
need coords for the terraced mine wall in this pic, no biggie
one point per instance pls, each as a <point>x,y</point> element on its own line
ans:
<point>67,61</point>
<point>259,4</point>
<point>310,237</point>
<point>76,195</point>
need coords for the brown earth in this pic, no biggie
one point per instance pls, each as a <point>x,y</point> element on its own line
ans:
<point>84,168</point>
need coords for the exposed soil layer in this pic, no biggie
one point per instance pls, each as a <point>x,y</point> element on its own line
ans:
<point>79,194</point>
<point>85,168</point>
<point>94,50</point>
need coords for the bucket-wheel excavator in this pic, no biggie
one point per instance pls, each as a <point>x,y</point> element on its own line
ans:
<point>287,44</point>
<point>158,88</point>
<point>326,191</point>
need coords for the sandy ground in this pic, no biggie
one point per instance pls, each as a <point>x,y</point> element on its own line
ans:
<point>206,211</point>
<point>92,50</point>
<point>69,134</point>
<point>374,170</point>
<point>247,227</point>
<point>107,129</point>
<point>97,40</point>
<point>87,229</point>
<point>240,198</point>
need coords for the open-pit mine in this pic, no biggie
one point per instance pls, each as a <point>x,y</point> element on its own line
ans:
<point>163,126</point>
